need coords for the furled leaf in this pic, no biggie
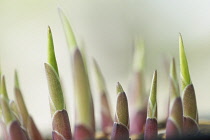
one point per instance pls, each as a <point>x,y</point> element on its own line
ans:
<point>21,107</point>
<point>139,56</point>
<point>190,111</point>
<point>51,53</point>
<point>174,126</point>
<point>106,118</point>
<point>7,114</point>
<point>152,104</point>
<point>3,91</point>
<point>99,78</point>
<point>55,90</point>
<point>122,113</point>
<point>68,31</point>
<point>185,75</point>
<point>174,85</point>
<point>82,91</point>
<point>17,85</point>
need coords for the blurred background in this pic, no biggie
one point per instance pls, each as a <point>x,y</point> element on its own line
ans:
<point>106,29</point>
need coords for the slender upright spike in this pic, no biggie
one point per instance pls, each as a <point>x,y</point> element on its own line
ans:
<point>51,53</point>
<point>21,112</point>
<point>85,123</point>
<point>13,128</point>
<point>190,112</point>
<point>68,31</point>
<point>7,114</point>
<point>21,107</point>
<point>106,119</point>
<point>17,84</point>
<point>151,122</point>
<point>139,56</point>
<point>120,129</point>
<point>83,99</point>
<point>60,120</point>
<point>137,93</point>
<point>4,89</point>
<point>174,124</point>
<point>184,71</point>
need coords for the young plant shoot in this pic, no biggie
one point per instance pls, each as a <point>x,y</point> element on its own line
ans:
<point>174,124</point>
<point>190,112</point>
<point>151,128</point>
<point>120,130</point>
<point>60,119</point>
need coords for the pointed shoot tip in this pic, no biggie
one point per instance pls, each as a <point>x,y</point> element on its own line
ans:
<point>185,75</point>
<point>119,88</point>
<point>17,85</point>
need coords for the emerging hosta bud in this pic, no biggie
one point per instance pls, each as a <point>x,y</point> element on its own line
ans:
<point>85,122</point>
<point>120,130</point>
<point>151,128</point>
<point>106,119</point>
<point>13,128</point>
<point>83,99</point>
<point>190,112</point>
<point>137,94</point>
<point>21,107</point>
<point>174,124</point>
<point>60,120</point>
<point>21,112</point>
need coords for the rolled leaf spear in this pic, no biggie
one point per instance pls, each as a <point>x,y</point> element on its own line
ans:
<point>120,129</point>
<point>22,112</point>
<point>190,112</point>
<point>174,126</point>
<point>106,118</point>
<point>60,119</point>
<point>3,93</point>
<point>137,93</point>
<point>14,131</point>
<point>85,122</point>
<point>151,127</point>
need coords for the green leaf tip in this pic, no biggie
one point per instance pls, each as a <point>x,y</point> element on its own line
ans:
<point>7,114</point>
<point>119,88</point>
<point>173,74</point>
<point>139,55</point>
<point>99,77</point>
<point>51,53</point>
<point>68,31</point>
<point>152,104</point>
<point>153,90</point>
<point>174,85</point>
<point>4,89</point>
<point>17,84</point>
<point>185,75</point>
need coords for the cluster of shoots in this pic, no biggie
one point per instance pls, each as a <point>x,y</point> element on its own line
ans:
<point>135,113</point>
